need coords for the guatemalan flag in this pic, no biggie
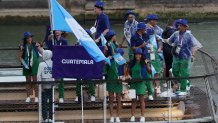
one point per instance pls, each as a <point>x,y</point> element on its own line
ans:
<point>62,20</point>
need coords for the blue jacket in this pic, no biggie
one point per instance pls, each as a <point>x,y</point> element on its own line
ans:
<point>102,23</point>
<point>62,41</point>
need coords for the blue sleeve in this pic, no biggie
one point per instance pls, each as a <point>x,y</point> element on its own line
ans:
<point>144,72</point>
<point>132,41</point>
<point>149,31</point>
<point>106,20</point>
<point>145,53</point>
<point>49,45</point>
<point>120,70</point>
<point>172,38</point>
<point>191,42</point>
<point>110,51</point>
<point>65,42</point>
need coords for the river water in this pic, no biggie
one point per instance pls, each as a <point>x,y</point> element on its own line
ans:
<point>11,36</point>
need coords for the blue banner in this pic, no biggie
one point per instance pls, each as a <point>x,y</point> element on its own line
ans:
<point>75,62</point>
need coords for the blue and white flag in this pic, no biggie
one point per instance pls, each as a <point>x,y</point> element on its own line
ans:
<point>119,59</point>
<point>62,20</point>
<point>153,71</point>
<point>103,40</point>
<point>153,41</point>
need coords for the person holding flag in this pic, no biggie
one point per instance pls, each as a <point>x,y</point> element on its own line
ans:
<point>130,28</point>
<point>57,40</point>
<point>155,45</point>
<point>91,86</point>
<point>102,24</point>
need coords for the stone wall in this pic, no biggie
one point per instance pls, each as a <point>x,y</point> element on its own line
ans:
<point>114,7</point>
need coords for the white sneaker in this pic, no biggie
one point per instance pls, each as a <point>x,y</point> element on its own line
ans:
<point>158,91</point>
<point>142,119</point>
<point>182,93</point>
<point>61,100</point>
<point>112,119</point>
<point>164,84</point>
<point>27,99</point>
<point>76,99</point>
<point>132,119</point>
<point>92,98</point>
<point>188,88</point>
<point>117,119</point>
<point>150,97</point>
<point>36,99</point>
<point>48,120</point>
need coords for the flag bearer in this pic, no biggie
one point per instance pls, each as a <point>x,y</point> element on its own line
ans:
<point>58,41</point>
<point>91,89</point>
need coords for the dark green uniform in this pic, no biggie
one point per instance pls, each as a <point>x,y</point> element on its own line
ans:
<point>112,74</point>
<point>140,87</point>
<point>35,61</point>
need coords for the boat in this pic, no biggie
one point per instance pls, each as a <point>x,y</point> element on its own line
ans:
<point>198,106</point>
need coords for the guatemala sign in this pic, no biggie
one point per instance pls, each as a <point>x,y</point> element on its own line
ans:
<point>75,62</point>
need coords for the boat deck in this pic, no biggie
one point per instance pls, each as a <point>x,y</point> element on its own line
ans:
<point>70,111</point>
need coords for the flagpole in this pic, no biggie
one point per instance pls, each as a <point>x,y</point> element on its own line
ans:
<point>51,21</point>
<point>52,38</point>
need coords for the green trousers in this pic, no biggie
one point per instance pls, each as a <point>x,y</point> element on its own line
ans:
<point>181,68</point>
<point>130,53</point>
<point>61,88</point>
<point>91,89</point>
<point>149,85</point>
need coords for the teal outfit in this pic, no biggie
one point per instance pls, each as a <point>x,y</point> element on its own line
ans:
<point>32,58</point>
<point>140,87</point>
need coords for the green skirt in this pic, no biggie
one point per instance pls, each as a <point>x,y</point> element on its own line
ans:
<point>140,87</point>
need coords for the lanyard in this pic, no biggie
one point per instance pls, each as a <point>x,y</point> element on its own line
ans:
<point>180,39</point>
<point>29,60</point>
<point>56,42</point>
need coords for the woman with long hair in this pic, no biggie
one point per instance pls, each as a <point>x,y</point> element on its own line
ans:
<point>139,67</point>
<point>29,58</point>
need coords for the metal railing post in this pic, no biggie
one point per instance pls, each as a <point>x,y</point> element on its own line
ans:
<point>40,103</point>
<point>105,104</point>
<point>170,103</point>
<point>210,99</point>
<point>215,68</point>
<point>82,103</point>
